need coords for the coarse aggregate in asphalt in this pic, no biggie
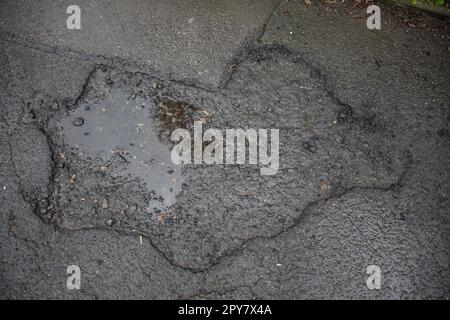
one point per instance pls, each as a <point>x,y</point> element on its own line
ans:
<point>87,179</point>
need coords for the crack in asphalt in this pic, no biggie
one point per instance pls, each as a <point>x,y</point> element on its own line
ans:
<point>30,243</point>
<point>296,222</point>
<point>146,235</point>
<point>317,72</point>
<point>115,63</point>
<point>231,67</point>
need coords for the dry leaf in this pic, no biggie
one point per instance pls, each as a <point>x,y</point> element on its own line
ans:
<point>308,2</point>
<point>161,218</point>
<point>324,186</point>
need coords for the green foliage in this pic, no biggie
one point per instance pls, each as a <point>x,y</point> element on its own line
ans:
<point>430,2</point>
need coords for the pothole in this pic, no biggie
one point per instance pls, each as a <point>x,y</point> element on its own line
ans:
<point>119,126</point>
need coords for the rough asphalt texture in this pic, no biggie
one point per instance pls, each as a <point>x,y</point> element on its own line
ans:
<point>364,153</point>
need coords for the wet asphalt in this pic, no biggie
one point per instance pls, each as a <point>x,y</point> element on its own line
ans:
<point>87,177</point>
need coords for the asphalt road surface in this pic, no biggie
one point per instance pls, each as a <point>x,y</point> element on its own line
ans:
<point>86,176</point>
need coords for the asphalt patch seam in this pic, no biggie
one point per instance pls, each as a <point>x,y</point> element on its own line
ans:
<point>317,72</point>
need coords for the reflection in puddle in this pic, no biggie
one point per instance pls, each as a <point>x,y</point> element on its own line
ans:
<point>119,126</point>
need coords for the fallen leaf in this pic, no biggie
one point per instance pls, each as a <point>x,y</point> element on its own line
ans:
<point>324,186</point>
<point>308,2</point>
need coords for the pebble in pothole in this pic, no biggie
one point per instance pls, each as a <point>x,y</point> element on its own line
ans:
<point>119,125</point>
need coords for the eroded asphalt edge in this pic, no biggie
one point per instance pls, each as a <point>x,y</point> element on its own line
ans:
<point>319,74</point>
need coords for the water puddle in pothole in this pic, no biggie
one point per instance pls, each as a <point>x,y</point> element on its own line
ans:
<point>119,125</point>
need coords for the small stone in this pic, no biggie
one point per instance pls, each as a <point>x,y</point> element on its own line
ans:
<point>310,146</point>
<point>55,106</point>
<point>110,222</point>
<point>324,186</point>
<point>78,122</point>
<point>44,203</point>
<point>104,204</point>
